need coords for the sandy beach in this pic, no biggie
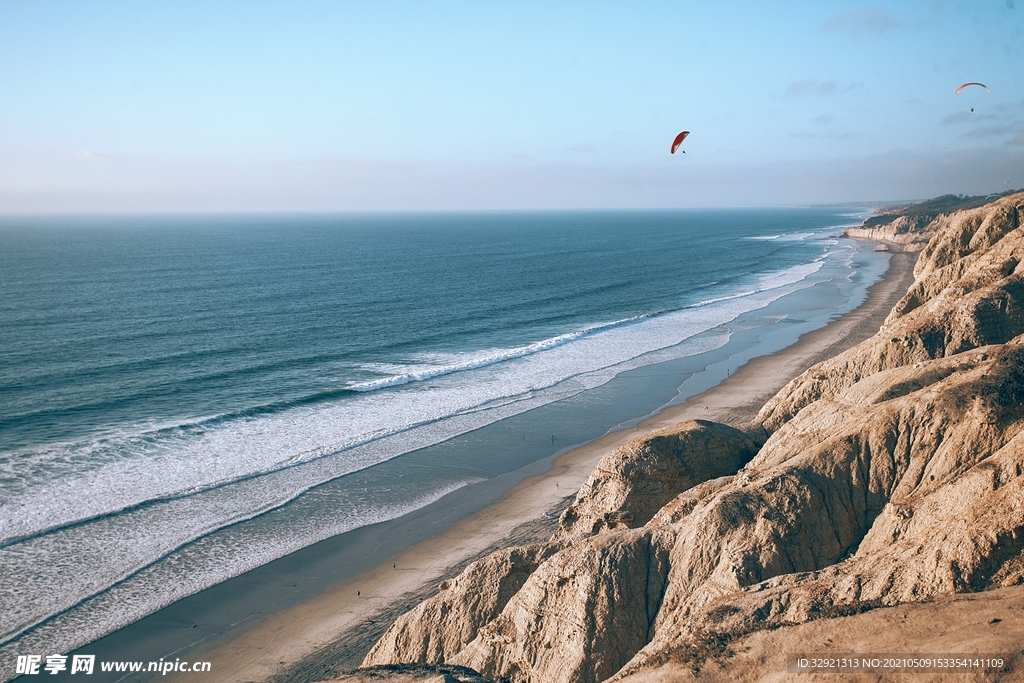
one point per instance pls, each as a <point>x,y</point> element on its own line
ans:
<point>331,631</point>
<point>513,343</point>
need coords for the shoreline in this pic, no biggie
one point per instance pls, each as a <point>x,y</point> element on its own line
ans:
<point>329,632</point>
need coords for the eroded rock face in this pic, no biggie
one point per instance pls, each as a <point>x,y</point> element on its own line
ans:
<point>441,626</point>
<point>633,482</point>
<point>581,616</point>
<point>894,473</point>
<point>970,232</point>
<point>911,232</point>
<point>906,486</point>
<point>954,306</point>
<point>967,536</point>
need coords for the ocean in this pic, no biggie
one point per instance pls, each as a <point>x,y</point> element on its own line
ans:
<point>186,398</point>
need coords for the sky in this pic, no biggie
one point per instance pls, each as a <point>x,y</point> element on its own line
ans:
<point>366,106</point>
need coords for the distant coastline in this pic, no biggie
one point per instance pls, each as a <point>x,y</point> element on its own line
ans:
<point>331,633</point>
<point>885,476</point>
<point>200,426</point>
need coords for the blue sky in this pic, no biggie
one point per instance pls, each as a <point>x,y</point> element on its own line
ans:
<point>334,106</point>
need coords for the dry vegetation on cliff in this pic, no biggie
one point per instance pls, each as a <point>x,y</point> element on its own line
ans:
<point>892,474</point>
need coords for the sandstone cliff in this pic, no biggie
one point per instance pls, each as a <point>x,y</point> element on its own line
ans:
<point>911,227</point>
<point>910,232</point>
<point>632,483</point>
<point>441,627</point>
<point>893,474</point>
<point>969,293</point>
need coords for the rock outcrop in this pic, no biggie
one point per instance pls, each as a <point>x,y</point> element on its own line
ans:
<point>893,474</point>
<point>442,626</point>
<point>969,293</point>
<point>911,227</point>
<point>910,232</point>
<point>582,615</point>
<point>413,673</point>
<point>633,482</point>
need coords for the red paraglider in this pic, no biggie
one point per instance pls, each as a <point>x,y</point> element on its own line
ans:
<point>967,84</point>
<point>678,141</point>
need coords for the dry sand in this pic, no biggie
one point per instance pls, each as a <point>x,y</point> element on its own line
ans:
<point>330,633</point>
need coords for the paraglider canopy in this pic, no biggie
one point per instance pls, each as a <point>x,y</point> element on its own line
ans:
<point>967,84</point>
<point>678,141</point>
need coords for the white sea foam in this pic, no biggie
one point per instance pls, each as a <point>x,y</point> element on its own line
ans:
<point>150,468</point>
<point>797,236</point>
<point>155,493</point>
<point>157,584</point>
<point>479,359</point>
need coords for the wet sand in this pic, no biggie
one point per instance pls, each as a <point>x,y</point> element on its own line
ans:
<point>309,633</point>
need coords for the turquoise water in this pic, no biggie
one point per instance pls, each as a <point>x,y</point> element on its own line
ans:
<point>183,399</point>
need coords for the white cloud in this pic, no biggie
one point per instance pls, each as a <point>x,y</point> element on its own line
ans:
<point>863,20</point>
<point>990,131</point>
<point>825,135</point>
<point>959,117</point>
<point>810,87</point>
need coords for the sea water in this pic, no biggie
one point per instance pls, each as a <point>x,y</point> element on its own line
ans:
<point>183,399</point>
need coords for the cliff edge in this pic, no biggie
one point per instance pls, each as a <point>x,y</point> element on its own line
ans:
<point>909,227</point>
<point>892,477</point>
